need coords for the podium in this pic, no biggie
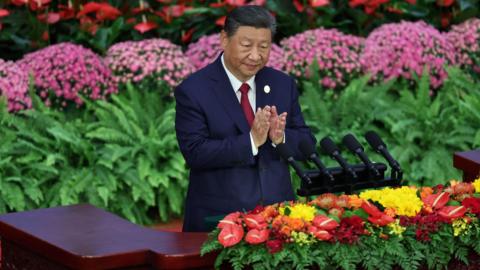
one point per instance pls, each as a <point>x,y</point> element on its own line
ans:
<point>469,163</point>
<point>86,237</point>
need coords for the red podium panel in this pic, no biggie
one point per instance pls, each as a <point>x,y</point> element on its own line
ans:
<point>85,237</point>
<point>469,163</point>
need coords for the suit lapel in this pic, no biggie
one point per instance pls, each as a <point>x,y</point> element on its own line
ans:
<point>226,96</point>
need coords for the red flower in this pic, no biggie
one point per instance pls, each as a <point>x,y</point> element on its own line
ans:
<point>255,236</point>
<point>445,3</point>
<point>50,18</point>
<point>274,246</point>
<point>235,2</point>
<point>336,211</point>
<point>371,209</point>
<point>145,26</point>
<point>221,21</point>
<point>319,3</point>
<point>473,204</point>
<point>4,13</point>
<point>298,6</point>
<point>230,235</point>
<point>382,220</point>
<point>437,201</point>
<point>255,221</point>
<point>325,223</point>
<point>103,11</point>
<point>320,234</point>
<point>66,12</point>
<point>230,219</point>
<point>452,212</point>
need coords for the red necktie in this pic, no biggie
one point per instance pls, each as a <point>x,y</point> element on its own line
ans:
<point>245,103</point>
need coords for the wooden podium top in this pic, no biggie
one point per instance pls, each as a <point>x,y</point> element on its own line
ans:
<point>86,237</point>
<point>469,163</point>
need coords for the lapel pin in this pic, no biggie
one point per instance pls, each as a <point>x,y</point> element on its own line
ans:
<point>266,89</point>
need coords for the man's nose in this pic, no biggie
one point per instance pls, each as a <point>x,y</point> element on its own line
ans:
<point>254,54</point>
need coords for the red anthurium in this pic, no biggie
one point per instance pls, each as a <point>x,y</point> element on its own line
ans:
<point>255,236</point>
<point>89,8</point>
<point>319,3</point>
<point>107,12</point>
<point>298,6</point>
<point>235,2</point>
<point>382,220</point>
<point>437,201</point>
<point>66,12</point>
<point>19,2</point>
<point>230,235</point>
<point>4,13</point>
<point>49,18</point>
<point>217,4</point>
<point>230,219</point>
<point>187,36</point>
<point>325,223</point>
<point>258,2</point>
<point>38,4</point>
<point>175,10</point>
<point>445,3</point>
<point>221,21</point>
<point>255,221</point>
<point>145,26</point>
<point>371,209</point>
<point>322,235</point>
<point>452,212</point>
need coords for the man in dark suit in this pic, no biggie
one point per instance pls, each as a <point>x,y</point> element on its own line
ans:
<point>230,149</point>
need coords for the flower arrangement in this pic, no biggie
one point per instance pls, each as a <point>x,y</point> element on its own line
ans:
<point>207,49</point>
<point>151,61</point>
<point>337,56</point>
<point>406,227</point>
<point>65,72</point>
<point>14,86</point>
<point>465,38</point>
<point>402,49</point>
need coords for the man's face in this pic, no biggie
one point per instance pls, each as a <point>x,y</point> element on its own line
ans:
<point>247,51</point>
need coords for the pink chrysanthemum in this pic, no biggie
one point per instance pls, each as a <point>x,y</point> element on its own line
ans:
<point>465,39</point>
<point>152,59</point>
<point>400,49</point>
<point>14,86</point>
<point>337,55</point>
<point>207,49</point>
<point>65,72</point>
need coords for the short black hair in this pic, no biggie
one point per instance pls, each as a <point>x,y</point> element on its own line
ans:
<point>249,15</point>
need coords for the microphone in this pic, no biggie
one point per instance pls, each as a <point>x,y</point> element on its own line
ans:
<point>308,150</point>
<point>355,147</point>
<point>379,146</point>
<point>287,154</point>
<point>332,150</point>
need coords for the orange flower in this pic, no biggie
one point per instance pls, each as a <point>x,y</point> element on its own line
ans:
<point>295,224</point>
<point>285,230</point>
<point>390,212</point>
<point>355,201</point>
<point>343,201</point>
<point>326,201</point>
<point>425,192</point>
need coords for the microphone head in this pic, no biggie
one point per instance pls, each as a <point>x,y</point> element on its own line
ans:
<point>328,146</point>
<point>352,143</point>
<point>284,151</point>
<point>306,148</point>
<point>374,140</point>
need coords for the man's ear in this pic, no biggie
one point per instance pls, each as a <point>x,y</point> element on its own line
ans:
<point>223,39</point>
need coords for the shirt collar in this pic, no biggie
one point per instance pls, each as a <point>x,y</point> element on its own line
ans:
<point>236,83</point>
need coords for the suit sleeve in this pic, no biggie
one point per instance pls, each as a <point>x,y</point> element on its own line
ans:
<point>296,130</point>
<point>199,150</point>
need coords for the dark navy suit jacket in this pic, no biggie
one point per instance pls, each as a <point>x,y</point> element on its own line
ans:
<point>213,135</point>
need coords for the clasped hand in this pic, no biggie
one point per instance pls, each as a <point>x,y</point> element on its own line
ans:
<point>268,124</point>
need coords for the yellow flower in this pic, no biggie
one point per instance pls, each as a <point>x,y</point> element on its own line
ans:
<point>476,184</point>
<point>302,238</point>
<point>300,210</point>
<point>460,226</point>
<point>403,200</point>
<point>396,228</point>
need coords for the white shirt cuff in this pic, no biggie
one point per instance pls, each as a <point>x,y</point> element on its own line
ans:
<point>274,145</point>
<point>254,148</point>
